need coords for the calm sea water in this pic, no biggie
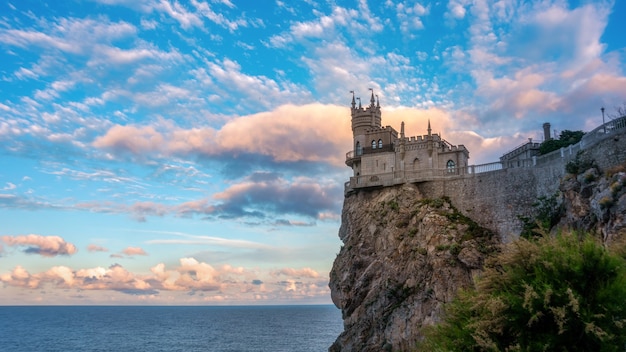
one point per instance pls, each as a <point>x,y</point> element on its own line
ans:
<point>121,328</point>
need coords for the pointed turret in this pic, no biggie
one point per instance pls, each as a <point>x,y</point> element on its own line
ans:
<point>429,129</point>
<point>353,101</point>
<point>372,101</point>
<point>364,118</point>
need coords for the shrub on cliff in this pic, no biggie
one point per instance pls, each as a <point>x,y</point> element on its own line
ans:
<point>563,293</point>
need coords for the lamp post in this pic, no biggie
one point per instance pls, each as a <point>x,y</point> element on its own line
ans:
<point>603,125</point>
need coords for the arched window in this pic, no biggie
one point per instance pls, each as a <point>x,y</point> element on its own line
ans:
<point>359,150</point>
<point>380,144</point>
<point>450,166</point>
<point>373,144</point>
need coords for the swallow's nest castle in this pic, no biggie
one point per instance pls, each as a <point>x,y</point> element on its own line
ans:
<point>382,157</point>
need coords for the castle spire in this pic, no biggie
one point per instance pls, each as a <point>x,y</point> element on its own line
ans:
<point>402,130</point>
<point>377,102</point>
<point>372,101</point>
<point>429,129</point>
<point>359,99</point>
<point>353,102</point>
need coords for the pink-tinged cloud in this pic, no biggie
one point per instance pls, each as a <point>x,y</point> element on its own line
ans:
<point>134,139</point>
<point>96,248</point>
<point>297,273</point>
<point>20,277</point>
<point>132,251</point>
<point>199,276</point>
<point>223,283</point>
<point>313,132</point>
<point>47,246</point>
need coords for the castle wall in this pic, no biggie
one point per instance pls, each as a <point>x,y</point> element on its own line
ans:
<point>496,199</point>
<point>377,163</point>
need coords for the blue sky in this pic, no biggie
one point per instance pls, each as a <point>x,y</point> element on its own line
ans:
<point>192,152</point>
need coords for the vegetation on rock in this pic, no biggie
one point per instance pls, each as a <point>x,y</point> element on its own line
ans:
<point>552,293</point>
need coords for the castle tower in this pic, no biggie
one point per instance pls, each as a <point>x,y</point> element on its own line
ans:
<point>364,119</point>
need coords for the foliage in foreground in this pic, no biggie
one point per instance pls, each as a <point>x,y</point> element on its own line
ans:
<point>563,293</point>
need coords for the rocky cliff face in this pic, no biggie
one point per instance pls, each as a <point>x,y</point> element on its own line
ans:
<point>403,257</point>
<point>595,202</point>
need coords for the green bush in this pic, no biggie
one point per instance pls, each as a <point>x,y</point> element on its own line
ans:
<point>566,138</point>
<point>563,293</point>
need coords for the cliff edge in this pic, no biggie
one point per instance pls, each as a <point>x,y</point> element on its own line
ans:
<point>403,257</point>
<point>404,254</point>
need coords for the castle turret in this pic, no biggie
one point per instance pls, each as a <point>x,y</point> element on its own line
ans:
<point>364,119</point>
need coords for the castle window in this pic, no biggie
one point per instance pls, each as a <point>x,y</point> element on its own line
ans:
<point>373,144</point>
<point>380,144</point>
<point>359,150</point>
<point>450,166</point>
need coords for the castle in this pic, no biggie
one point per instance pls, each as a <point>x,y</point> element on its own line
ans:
<point>382,157</point>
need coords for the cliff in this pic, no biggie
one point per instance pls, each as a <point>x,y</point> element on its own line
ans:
<point>403,257</point>
<point>595,202</point>
<point>406,254</point>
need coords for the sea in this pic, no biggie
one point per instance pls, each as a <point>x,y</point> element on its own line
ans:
<point>169,328</point>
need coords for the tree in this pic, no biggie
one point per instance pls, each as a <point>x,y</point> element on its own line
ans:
<point>562,293</point>
<point>619,112</point>
<point>566,138</point>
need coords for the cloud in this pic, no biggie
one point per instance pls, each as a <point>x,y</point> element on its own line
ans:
<point>133,139</point>
<point>409,17</point>
<point>183,238</point>
<point>218,17</point>
<point>355,21</point>
<point>297,273</point>
<point>290,133</point>
<point>113,55</point>
<point>133,251</point>
<point>96,248</point>
<point>225,282</point>
<point>254,198</point>
<point>47,246</point>
<point>225,79</point>
<point>556,33</point>
<point>9,186</point>
<point>74,36</point>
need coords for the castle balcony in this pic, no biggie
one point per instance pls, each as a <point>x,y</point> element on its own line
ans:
<point>353,155</point>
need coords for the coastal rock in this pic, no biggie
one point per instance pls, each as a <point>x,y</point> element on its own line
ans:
<point>595,203</point>
<point>403,257</point>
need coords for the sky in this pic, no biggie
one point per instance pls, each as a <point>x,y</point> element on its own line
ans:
<point>174,152</point>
